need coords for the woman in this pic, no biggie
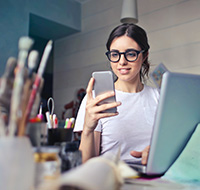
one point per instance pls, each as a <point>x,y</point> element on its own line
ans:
<point>130,128</point>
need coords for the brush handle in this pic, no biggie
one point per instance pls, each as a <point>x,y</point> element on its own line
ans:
<point>24,121</point>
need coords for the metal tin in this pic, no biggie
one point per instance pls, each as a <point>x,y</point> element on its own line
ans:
<point>47,164</point>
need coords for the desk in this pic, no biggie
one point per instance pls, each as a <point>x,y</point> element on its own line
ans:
<point>153,185</point>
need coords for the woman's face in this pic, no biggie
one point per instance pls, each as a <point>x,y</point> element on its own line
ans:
<point>125,70</point>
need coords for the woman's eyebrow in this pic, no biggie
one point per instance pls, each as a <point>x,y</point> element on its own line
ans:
<point>114,50</point>
<point>129,49</point>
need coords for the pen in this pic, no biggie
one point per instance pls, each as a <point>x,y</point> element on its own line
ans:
<point>55,121</point>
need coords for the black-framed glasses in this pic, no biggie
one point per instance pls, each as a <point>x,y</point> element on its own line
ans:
<point>130,55</point>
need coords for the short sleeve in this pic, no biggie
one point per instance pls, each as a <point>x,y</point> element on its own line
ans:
<point>80,116</point>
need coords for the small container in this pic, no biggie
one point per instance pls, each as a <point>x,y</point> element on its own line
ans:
<point>71,156</point>
<point>47,164</point>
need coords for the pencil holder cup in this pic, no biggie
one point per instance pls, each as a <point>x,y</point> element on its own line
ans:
<point>16,163</point>
<point>59,135</point>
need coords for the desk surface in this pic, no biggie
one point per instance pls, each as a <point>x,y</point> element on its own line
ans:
<point>158,184</point>
<point>146,187</point>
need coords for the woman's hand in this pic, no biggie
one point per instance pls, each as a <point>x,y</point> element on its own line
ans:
<point>144,154</point>
<point>93,110</point>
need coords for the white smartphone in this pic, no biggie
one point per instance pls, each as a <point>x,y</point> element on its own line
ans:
<point>104,83</point>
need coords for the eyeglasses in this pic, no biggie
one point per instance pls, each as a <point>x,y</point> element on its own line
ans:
<point>130,55</point>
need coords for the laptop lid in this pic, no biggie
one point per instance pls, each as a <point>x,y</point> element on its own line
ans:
<point>177,116</point>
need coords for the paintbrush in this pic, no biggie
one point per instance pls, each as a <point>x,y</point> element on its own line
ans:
<point>32,63</point>
<point>25,44</point>
<point>36,85</point>
<point>5,93</point>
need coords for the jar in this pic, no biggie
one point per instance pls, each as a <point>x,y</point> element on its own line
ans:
<point>71,156</point>
<point>47,164</point>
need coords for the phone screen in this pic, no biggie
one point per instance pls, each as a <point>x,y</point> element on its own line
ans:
<point>104,83</point>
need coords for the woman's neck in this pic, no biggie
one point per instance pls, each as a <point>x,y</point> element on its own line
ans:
<point>130,87</point>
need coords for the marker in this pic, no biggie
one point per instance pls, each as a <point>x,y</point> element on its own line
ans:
<point>40,115</point>
<point>55,121</point>
<point>70,123</point>
<point>72,120</point>
<point>66,122</point>
<point>48,120</point>
<point>54,118</point>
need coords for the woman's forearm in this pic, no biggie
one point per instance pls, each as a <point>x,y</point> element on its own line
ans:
<point>87,145</point>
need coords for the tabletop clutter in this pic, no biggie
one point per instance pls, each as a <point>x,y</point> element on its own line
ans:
<point>38,150</point>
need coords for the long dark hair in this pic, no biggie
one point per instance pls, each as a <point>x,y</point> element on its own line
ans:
<point>139,35</point>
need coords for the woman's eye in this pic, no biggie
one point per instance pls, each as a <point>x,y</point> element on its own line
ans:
<point>114,54</point>
<point>131,54</point>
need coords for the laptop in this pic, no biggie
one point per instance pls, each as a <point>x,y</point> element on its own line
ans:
<point>177,116</point>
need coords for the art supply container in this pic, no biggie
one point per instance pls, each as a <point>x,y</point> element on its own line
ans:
<point>47,164</point>
<point>16,163</point>
<point>59,135</point>
<point>37,132</point>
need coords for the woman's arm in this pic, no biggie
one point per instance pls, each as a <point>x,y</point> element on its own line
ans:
<point>90,145</point>
<point>90,140</point>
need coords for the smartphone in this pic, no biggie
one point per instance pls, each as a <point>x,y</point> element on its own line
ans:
<point>104,83</point>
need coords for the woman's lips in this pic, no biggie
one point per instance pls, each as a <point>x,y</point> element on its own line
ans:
<point>124,71</point>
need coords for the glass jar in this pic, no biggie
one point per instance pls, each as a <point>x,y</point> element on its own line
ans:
<point>47,164</point>
<point>71,156</point>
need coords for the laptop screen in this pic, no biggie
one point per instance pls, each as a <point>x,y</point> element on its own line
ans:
<point>177,116</point>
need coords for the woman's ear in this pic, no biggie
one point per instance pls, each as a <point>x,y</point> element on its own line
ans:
<point>146,56</point>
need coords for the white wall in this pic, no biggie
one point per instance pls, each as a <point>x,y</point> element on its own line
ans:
<point>173,28</point>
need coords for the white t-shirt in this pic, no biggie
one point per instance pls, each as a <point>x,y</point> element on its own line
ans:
<point>131,129</point>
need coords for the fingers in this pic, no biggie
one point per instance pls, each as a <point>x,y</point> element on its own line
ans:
<point>95,102</point>
<point>143,154</point>
<point>94,110</point>
<point>104,96</point>
<point>136,154</point>
<point>105,106</point>
<point>89,88</point>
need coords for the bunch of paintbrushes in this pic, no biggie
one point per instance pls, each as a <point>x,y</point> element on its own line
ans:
<point>17,98</point>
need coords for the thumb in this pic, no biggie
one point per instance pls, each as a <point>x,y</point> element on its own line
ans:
<point>136,154</point>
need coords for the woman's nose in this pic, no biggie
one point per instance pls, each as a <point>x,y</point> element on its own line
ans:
<point>122,60</point>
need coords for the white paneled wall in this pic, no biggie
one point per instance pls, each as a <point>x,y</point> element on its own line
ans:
<point>173,28</point>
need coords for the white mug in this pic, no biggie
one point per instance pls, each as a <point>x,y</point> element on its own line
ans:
<point>16,164</point>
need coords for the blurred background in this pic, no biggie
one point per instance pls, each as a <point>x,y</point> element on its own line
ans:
<point>80,28</point>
